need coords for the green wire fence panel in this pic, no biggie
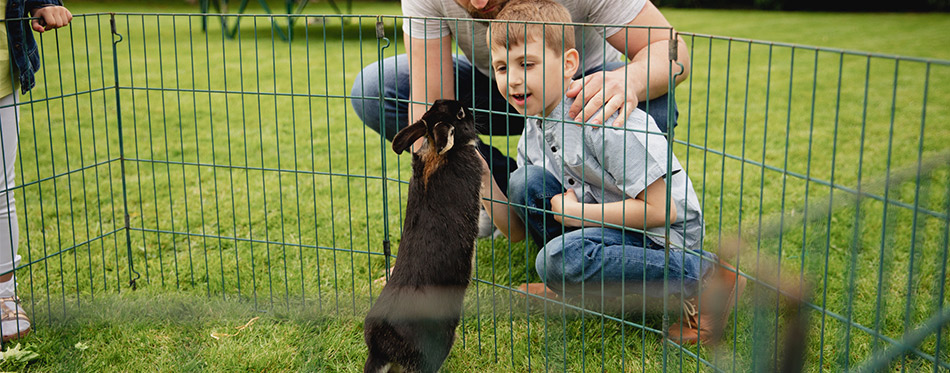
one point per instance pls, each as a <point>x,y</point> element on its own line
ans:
<point>153,155</point>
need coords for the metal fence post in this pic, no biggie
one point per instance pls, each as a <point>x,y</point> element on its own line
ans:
<point>381,37</point>
<point>118,107</point>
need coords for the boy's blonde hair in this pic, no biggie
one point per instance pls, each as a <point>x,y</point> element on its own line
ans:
<point>512,33</point>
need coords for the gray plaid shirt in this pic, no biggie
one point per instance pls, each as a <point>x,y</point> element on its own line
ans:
<point>603,165</point>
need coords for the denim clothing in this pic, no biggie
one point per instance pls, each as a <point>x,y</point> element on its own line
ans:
<point>599,260</point>
<point>23,49</point>
<point>473,89</point>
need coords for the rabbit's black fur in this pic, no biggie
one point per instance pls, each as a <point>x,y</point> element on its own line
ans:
<point>412,324</point>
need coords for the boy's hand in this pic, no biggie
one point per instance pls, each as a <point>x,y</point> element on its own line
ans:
<point>566,204</point>
<point>604,89</point>
<point>50,17</point>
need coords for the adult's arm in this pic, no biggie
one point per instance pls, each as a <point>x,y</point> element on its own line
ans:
<point>429,48</point>
<point>432,74</point>
<point>645,77</point>
<point>650,47</point>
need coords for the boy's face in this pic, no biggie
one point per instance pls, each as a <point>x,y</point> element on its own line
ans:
<point>531,76</point>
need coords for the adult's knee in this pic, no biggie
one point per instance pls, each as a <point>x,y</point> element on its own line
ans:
<point>663,110</point>
<point>516,186</point>
<point>364,96</point>
<point>523,182</point>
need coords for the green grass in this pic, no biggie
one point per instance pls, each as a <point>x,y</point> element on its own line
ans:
<point>262,197</point>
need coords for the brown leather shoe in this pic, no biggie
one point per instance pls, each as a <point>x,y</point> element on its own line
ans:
<point>705,316</point>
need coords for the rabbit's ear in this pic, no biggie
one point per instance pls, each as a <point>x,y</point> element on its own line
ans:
<point>444,136</point>
<point>409,135</point>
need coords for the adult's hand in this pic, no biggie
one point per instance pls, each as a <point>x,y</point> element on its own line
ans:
<point>607,90</point>
<point>50,17</point>
<point>646,77</point>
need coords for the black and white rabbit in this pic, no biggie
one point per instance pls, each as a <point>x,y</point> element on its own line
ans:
<point>412,324</point>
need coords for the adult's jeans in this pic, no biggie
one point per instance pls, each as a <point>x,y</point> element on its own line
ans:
<point>599,260</point>
<point>493,115</point>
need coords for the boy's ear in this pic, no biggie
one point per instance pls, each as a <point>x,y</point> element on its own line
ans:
<point>572,61</point>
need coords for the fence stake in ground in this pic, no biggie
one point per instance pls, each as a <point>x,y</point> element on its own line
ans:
<point>125,198</point>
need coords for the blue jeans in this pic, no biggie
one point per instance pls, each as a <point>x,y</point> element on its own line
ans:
<point>605,261</point>
<point>474,90</point>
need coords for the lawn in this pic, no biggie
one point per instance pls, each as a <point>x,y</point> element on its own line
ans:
<point>253,190</point>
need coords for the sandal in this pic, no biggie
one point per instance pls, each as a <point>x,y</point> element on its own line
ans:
<point>13,322</point>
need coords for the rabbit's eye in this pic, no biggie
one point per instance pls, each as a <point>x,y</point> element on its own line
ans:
<point>461,113</point>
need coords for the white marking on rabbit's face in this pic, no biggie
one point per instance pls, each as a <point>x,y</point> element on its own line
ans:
<point>449,141</point>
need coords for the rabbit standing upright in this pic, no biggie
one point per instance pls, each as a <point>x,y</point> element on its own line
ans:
<point>412,324</point>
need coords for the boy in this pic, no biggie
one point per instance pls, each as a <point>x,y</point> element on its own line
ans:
<point>608,228</point>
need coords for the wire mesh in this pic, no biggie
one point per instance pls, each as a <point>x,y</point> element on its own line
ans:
<point>165,157</point>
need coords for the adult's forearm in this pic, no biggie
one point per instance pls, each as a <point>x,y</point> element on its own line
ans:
<point>431,73</point>
<point>431,76</point>
<point>648,73</point>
